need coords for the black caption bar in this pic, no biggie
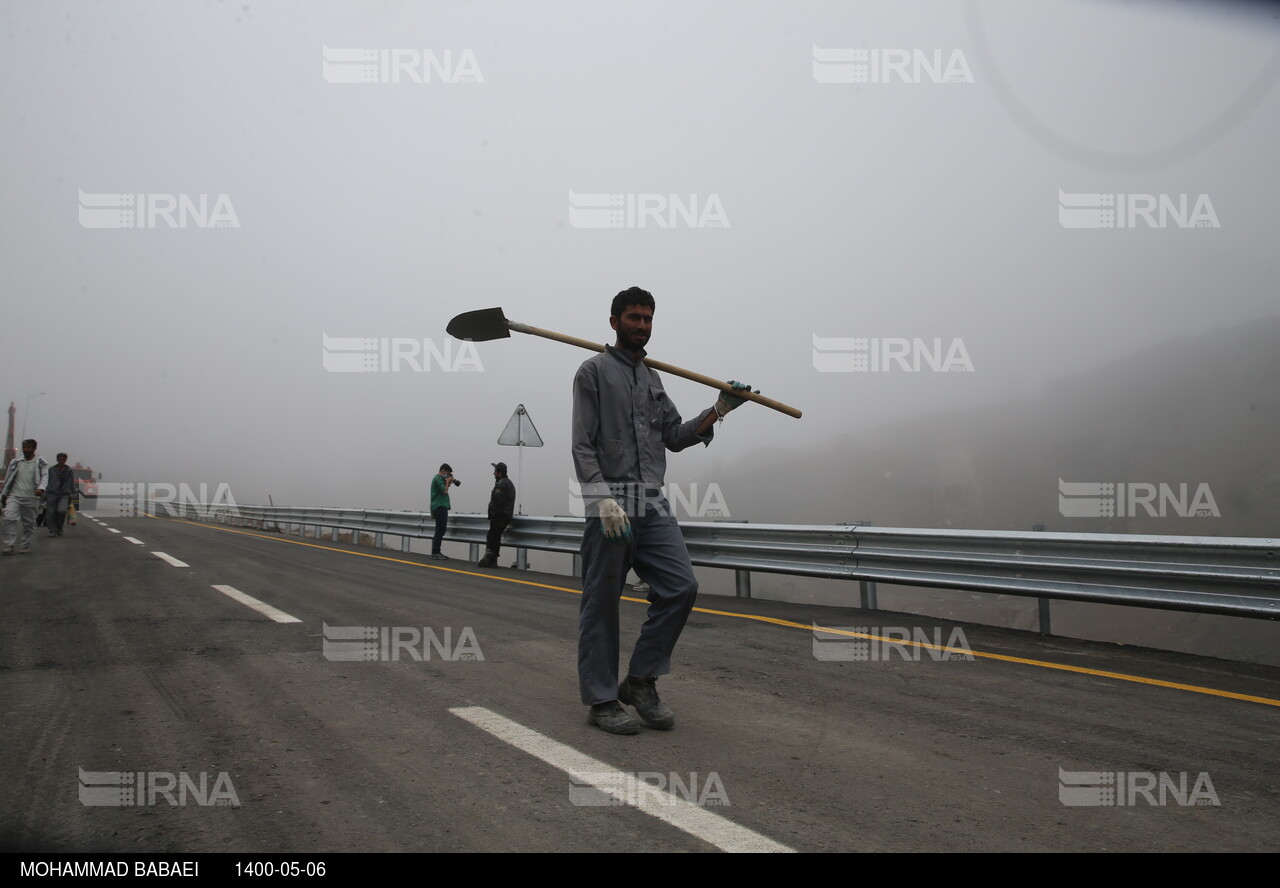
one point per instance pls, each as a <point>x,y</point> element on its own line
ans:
<point>177,868</point>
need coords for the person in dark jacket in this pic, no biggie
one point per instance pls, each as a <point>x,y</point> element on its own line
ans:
<point>502,505</point>
<point>58,495</point>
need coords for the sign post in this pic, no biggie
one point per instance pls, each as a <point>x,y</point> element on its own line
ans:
<point>520,433</point>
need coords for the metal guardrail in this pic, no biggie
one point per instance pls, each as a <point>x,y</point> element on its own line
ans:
<point>1235,576</point>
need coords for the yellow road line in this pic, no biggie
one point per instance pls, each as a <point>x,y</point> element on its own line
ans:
<point>1043,664</point>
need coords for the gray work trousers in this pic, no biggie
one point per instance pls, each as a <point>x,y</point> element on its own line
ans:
<point>20,508</point>
<point>55,510</point>
<point>658,554</point>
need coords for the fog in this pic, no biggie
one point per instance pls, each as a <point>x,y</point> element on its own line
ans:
<point>785,204</point>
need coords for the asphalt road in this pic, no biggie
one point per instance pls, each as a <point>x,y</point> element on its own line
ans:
<point>470,737</point>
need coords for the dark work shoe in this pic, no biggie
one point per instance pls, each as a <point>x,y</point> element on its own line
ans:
<point>612,718</point>
<point>489,560</point>
<point>642,693</point>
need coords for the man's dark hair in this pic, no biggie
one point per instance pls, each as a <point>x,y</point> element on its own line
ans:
<point>31,441</point>
<point>62,456</point>
<point>632,296</point>
<point>445,467</point>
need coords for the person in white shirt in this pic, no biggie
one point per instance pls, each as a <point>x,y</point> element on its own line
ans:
<point>24,484</point>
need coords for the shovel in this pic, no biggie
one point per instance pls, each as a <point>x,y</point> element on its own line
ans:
<point>490,323</point>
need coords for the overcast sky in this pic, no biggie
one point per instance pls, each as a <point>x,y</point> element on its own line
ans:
<point>465,173</point>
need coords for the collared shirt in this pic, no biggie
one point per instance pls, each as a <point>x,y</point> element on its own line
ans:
<point>624,424</point>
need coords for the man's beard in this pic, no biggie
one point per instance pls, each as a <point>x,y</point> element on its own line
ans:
<point>633,341</point>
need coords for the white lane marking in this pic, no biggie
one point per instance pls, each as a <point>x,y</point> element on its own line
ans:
<point>699,822</point>
<point>113,530</point>
<point>170,559</point>
<point>249,601</point>
<point>136,542</point>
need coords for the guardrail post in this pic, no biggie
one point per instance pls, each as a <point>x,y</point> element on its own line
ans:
<point>377,540</point>
<point>1042,604</point>
<point>867,592</point>
<point>404,544</point>
<point>522,559</point>
<point>335,533</point>
<point>473,551</point>
<point>742,583</point>
<point>577,564</point>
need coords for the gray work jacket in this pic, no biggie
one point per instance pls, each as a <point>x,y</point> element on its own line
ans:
<point>624,424</point>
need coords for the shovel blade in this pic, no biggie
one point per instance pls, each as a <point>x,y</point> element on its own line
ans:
<point>480,326</point>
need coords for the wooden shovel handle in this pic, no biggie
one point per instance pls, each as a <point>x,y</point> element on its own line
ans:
<point>664,367</point>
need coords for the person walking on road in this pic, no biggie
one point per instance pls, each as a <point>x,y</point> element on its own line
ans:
<point>24,484</point>
<point>59,495</point>
<point>623,425</point>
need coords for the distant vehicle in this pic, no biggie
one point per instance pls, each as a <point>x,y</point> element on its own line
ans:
<point>86,480</point>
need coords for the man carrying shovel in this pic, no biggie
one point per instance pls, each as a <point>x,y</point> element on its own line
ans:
<point>623,424</point>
